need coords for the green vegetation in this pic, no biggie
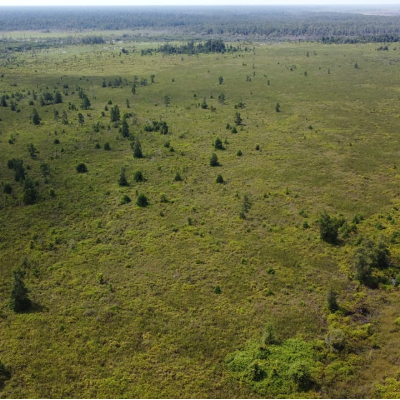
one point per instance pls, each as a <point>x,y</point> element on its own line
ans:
<point>133,273</point>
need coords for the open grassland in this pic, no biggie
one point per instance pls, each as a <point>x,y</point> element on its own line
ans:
<point>149,301</point>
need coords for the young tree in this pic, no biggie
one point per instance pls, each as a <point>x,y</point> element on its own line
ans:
<point>278,107</point>
<point>221,80</point>
<point>221,98</point>
<point>238,119</point>
<point>57,98</point>
<point>30,193</point>
<point>3,101</point>
<point>122,181</point>
<point>204,104</point>
<point>137,149</point>
<point>81,119</point>
<point>35,117</point>
<point>138,177</point>
<point>332,303</point>
<point>218,144</point>
<point>115,114</point>
<point>142,200</point>
<point>64,119</point>
<point>5,373</point>
<point>7,189</point>
<point>20,301</point>
<point>85,104</point>
<point>219,179</point>
<point>125,127</point>
<point>328,228</point>
<point>152,76</point>
<point>45,169</point>
<point>81,168</point>
<point>167,101</point>
<point>32,150</point>
<point>214,160</point>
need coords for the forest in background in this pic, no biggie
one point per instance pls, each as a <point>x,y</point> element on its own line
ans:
<point>345,25</point>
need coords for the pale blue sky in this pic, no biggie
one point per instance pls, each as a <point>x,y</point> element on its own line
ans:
<point>190,2</point>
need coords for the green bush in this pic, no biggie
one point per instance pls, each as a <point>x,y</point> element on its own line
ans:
<point>142,200</point>
<point>329,228</point>
<point>126,199</point>
<point>20,301</point>
<point>275,370</point>
<point>214,160</point>
<point>81,168</point>
<point>138,176</point>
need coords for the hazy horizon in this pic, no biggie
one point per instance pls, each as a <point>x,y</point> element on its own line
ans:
<point>92,3</point>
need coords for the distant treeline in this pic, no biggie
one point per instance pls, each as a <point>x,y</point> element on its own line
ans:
<point>210,46</point>
<point>255,23</point>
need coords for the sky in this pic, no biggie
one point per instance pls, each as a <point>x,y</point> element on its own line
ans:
<point>190,2</point>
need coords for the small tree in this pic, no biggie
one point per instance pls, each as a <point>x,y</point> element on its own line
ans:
<point>125,128</point>
<point>107,146</point>
<point>32,150</point>
<point>238,119</point>
<point>81,119</point>
<point>332,303</point>
<point>35,117</point>
<point>30,193</point>
<point>115,114</point>
<point>328,228</point>
<point>221,98</point>
<point>278,107</point>
<point>7,189</point>
<point>219,179</point>
<point>5,373</point>
<point>85,104</point>
<point>137,149</point>
<point>57,98</point>
<point>122,181</point>
<point>45,169</point>
<point>214,160</point>
<point>167,101</point>
<point>138,177</point>
<point>81,168</point>
<point>20,301</point>
<point>142,200</point>
<point>218,144</point>
<point>204,104</point>
<point>178,177</point>
<point>221,80</point>
<point>152,76</point>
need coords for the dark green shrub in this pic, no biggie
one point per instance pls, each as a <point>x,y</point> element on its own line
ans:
<point>214,160</point>
<point>107,146</point>
<point>178,177</point>
<point>328,227</point>
<point>138,177</point>
<point>81,168</point>
<point>7,188</point>
<point>332,303</point>
<point>122,181</point>
<point>218,144</point>
<point>126,199</point>
<point>220,179</point>
<point>142,200</point>
<point>20,301</point>
<point>239,153</point>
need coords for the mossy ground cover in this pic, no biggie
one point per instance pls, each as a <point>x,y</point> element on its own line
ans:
<point>124,297</point>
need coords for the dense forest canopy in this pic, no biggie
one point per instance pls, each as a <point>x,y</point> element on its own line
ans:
<point>230,22</point>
